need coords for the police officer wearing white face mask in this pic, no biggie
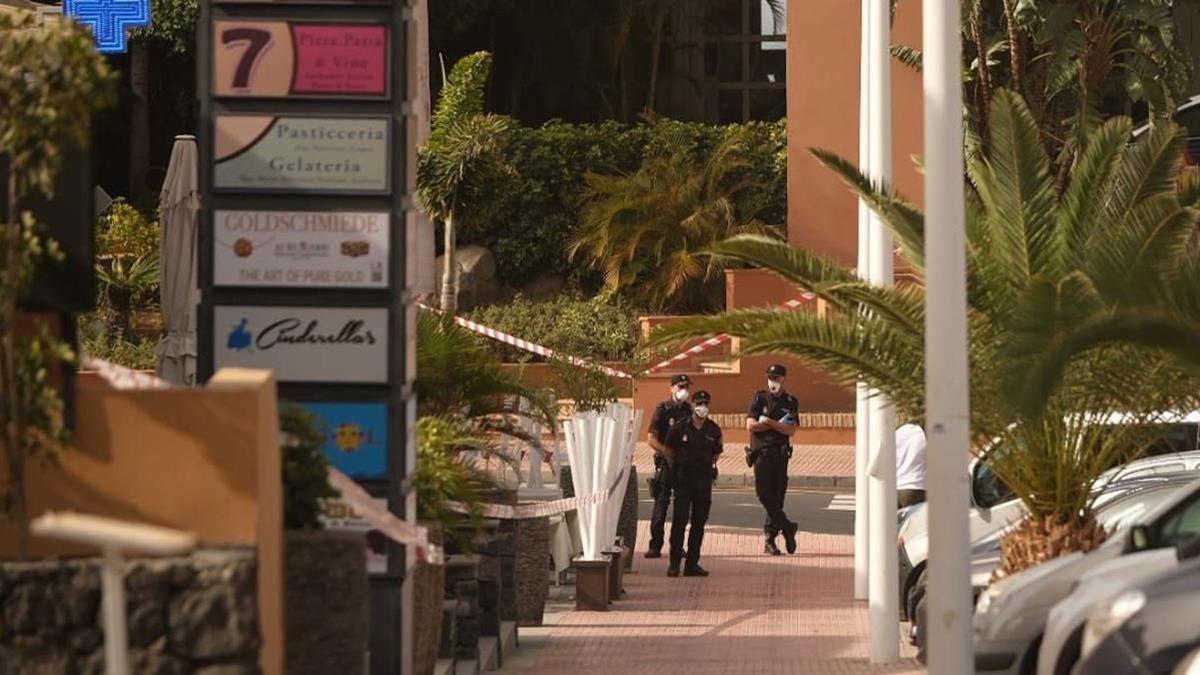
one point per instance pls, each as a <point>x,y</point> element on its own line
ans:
<point>692,450</point>
<point>667,414</point>
<point>771,421</point>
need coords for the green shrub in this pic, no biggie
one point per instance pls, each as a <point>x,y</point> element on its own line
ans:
<point>443,477</point>
<point>597,328</point>
<point>305,468</point>
<point>537,208</point>
<point>123,230</point>
<point>101,344</point>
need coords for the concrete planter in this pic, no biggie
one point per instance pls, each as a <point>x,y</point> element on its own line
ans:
<point>429,583</point>
<point>533,556</point>
<point>591,585</point>
<point>328,602</point>
<point>616,572</point>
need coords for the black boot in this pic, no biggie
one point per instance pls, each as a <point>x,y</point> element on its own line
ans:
<point>771,548</point>
<point>694,571</point>
<point>789,537</point>
<point>651,554</point>
<point>673,569</point>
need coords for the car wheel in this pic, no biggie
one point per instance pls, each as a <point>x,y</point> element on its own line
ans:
<point>1070,653</point>
<point>1030,662</point>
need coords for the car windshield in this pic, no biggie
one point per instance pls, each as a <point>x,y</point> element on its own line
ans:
<point>986,486</point>
<point>1126,510</point>
<point>1181,524</point>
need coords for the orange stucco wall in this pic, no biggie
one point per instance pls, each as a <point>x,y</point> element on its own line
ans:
<point>203,460</point>
<point>823,80</point>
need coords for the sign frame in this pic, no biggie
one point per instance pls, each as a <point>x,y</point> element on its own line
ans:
<point>388,53</point>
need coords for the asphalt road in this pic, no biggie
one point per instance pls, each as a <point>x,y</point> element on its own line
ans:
<point>739,507</point>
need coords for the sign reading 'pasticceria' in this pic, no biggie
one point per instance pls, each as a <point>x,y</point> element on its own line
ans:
<point>301,248</point>
<point>329,155</point>
<point>304,344</point>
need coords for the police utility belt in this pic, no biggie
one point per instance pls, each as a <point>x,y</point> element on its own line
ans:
<point>752,454</point>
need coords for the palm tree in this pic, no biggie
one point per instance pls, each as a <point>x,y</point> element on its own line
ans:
<point>645,231</point>
<point>1030,244</point>
<point>459,376</point>
<point>464,156</point>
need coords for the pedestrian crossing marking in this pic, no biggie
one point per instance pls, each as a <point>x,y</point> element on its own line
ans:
<point>841,503</point>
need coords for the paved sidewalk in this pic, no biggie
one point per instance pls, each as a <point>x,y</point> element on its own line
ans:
<point>823,466</point>
<point>790,615</point>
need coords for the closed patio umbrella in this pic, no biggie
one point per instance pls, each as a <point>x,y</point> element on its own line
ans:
<point>178,207</point>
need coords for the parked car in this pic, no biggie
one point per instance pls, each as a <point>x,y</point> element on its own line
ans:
<point>994,506</point>
<point>1121,503</point>
<point>1061,643</point>
<point>1011,614</point>
<point>1150,629</point>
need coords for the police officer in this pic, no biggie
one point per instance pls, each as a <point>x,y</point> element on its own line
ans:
<point>692,450</point>
<point>771,421</point>
<point>666,415</point>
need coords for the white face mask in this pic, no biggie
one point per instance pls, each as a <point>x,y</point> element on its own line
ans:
<point>681,395</point>
<point>701,411</point>
<point>774,387</point>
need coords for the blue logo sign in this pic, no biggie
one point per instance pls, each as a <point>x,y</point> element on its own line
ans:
<point>239,338</point>
<point>109,19</point>
<point>356,437</point>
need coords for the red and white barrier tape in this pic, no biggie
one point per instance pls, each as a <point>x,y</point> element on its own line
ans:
<point>526,345</point>
<point>121,377</point>
<point>543,509</point>
<point>397,530</point>
<point>720,339</point>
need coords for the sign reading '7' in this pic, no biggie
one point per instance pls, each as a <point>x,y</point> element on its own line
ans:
<point>279,59</point>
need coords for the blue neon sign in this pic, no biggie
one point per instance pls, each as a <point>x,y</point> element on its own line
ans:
<point>109,20</point>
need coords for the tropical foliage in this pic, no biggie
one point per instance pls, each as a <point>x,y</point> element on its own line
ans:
<point>459,376</point>
<point>462,160</point>
<point>50,78</point>
<point>1072,61</point>
<point>443,475</point>
<point>604,329</point>
<point>1038,254</point>
<point>305,467</point>
<point>643,231</point>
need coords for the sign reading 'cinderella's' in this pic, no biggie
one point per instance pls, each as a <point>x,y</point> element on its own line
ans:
<point>304,344</point>
<point>276,153</point>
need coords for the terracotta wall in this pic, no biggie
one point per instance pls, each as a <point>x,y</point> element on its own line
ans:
<point>205,460</point>
<point>823,68</point>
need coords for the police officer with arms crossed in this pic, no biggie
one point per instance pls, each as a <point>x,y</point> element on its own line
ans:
<point>666,415</point>
<point>771,421</point>
<point>692,450</point>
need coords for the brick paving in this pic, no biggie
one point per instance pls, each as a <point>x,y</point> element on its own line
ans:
<point>790,615</point>
<point>807,460</point>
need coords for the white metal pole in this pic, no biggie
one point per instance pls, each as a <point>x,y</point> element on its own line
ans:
<point>947,404</point>
<point>862,420</point>
<point>112,593</point>
<point>882,559</point>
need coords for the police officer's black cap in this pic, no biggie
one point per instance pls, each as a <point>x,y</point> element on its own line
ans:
<point>776,370</point>
<point>681,378</point>
<point>701,397</point>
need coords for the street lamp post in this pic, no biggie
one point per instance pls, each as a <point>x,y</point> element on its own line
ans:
<point>946,372</point>
<point>882,556</point>
<point>862,419</point>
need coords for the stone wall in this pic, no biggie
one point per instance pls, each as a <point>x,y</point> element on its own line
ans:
<point>194,615</point>
<point>328,602</point>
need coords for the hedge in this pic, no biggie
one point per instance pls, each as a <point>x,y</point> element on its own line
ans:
<point>538,206</point>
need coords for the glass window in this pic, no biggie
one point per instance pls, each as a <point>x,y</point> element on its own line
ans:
<point>987,487</point>
<point>1181,525</point>
<point>1127,510</point>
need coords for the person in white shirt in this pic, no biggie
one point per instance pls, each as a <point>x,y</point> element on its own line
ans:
<point>910,464</point>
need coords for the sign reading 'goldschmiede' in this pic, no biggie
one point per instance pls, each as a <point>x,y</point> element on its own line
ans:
<point>304,344</point>
<point>322,155</point>
<point>331,249</point>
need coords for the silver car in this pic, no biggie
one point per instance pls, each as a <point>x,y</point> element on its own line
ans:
<point>1011,614</point>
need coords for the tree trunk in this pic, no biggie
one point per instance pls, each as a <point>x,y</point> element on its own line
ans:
<point>450,273</point>
<point>1014,46</point>
<point>139,132</point>
<point>985,85</point>
<point>655,54</point>
<point>12,422</point>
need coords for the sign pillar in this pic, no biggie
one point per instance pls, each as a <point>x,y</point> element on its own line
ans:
<point>307,164</point>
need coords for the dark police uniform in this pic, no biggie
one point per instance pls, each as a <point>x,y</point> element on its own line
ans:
<point>666,415</point>
<point>771,464</point>
<point>695,448</point>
